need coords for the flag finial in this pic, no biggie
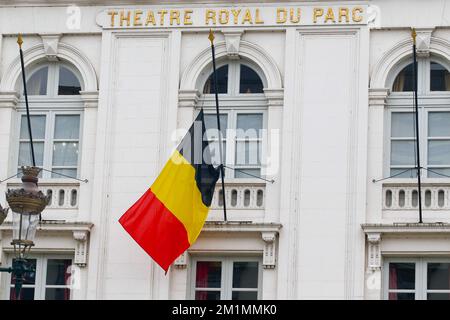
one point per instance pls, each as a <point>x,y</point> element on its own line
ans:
<point>211,36</point>
<point>19,40</point>
<point>413,35</point>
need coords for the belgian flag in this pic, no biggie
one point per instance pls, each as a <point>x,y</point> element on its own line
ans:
<point>169,217</point>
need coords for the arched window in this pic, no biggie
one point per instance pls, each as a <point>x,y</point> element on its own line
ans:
<point>244,80</point>
<point>243,117</point>
<point>433,85</point>
<point>56,114</point>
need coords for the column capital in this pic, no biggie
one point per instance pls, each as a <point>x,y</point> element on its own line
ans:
<point>378,96</point>
<point>188,98</point>
<point>90,98</point>
<point>9,99</point>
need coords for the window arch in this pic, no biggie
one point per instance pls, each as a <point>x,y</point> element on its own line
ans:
<point>242,119</point>
<point>234,78</point>
<point>432,76</point>
<point>53,79</point>
<point>433,86</point>
<point>56,111</point>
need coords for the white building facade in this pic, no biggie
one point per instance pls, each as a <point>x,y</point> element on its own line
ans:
<point>327,88</point>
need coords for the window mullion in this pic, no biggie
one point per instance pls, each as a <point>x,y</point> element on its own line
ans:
<point>48,148</point>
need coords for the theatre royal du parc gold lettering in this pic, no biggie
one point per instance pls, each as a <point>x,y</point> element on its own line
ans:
<point>236,16</point>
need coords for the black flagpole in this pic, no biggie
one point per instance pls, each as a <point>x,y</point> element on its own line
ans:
<point>222,170</point>
<point>415,76</point>
<point>19,42</point>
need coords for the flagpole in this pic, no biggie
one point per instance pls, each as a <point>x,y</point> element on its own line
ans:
<point>19,42</point>
<point>222,170</point>
<point>415,76</point>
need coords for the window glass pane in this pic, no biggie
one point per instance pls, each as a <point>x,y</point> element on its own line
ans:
<point>208,274</point>
<point>404,80</point>
<point>401,296</point>
<point>65,171</point>
<point>439,77</point>
<point>30,277</point>
<point>402,152</point>
<point>408,174</point>
<point>438,276</point>
<point>402,124</point>
<point>37,83</point>
<point>244,295</point>
<point>439,152</point>
<point>211,125</point>
<point>402,275</point>
<point>222,81</point>
<point>37,127</point>
<point>68,82</point>
<point>439,124</point>
<point>58,271</point>
<point>248,153</point>
<point>207,295</point>
<point>25,153</point>
<point>249,125</point>
<point>25,294</point>
<point>67,127</point>
<point>241,173</point>
<point>65,153</point>
<point>245,274</point>
<point>57,294</point>
<point>438,296</point>
<point>438,172</point>
<point>250,82</point>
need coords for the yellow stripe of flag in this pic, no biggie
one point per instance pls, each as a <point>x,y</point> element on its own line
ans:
<point>177,189</point>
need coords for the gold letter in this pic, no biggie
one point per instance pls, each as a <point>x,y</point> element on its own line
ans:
<point>235,14</point>
<point>187,17</point>
<point>224,16</point>
<point>150,18</point>
<point>343,12</point>
<point>318,12</point>
<point>354,16</point>
<point>330,15</point>
<point>123,18</point>
<point>247,17</point>
<point>162,14</point>
<point>137,18</point>
<point>112,14</point>
<point>174,15</point>
<point>279,18</point>
<point>293,18</point>
<point>210,15</point>
<point>258,19</point>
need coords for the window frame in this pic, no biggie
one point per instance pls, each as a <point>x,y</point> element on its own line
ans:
<point>233,103</point>
<point>49,105</point>
<point>231,139</point>
<point>52,80</point>
<point>50,116</point>
<point>429,101</point>
<point>226,281</point>
<point>41,274</point>
<point>421,269</point>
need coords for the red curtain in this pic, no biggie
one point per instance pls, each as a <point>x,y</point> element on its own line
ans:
<point>392,282</point>
<point>201,280</point>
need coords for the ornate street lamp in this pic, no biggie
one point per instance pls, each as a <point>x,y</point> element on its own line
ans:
<point>26,204</point>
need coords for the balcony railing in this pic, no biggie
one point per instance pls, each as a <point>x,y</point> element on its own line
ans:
<point>63,195</point>
<point>240,196</point>
<point>403,196</point>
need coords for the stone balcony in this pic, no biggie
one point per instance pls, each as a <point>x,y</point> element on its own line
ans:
<point>401,200</point>
<point>64,197</point>
<point>245,200</point>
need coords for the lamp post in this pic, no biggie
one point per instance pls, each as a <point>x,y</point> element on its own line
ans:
<point>26,203</point>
